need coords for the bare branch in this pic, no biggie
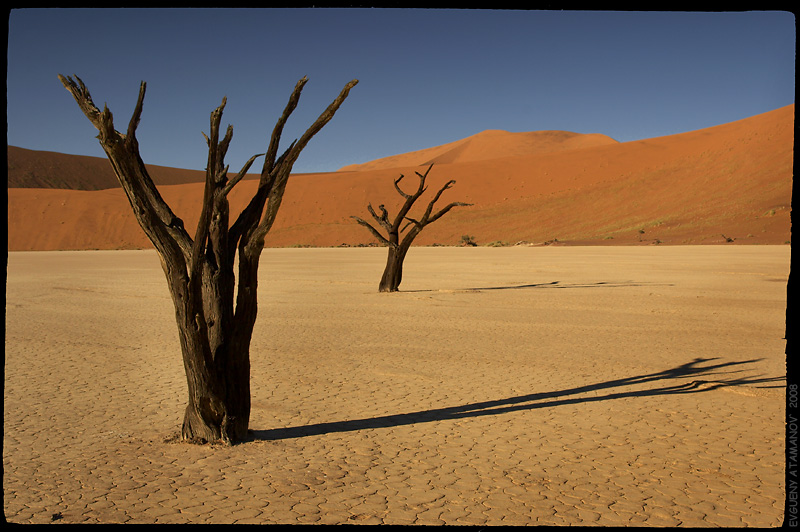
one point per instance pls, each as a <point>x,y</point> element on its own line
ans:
<point>137,112</point>
<point>238,177</point>
<point>151,211</point>
<point>436,198</point>
<point>410,199</point>
<point>372,230</point>
<point>82,96</point>
<point>275,174</point>
<point>445,211</point>
<point>223,146</point>
<point>422,179</point>
<point>404,210</point>
<point>214,160</point>
<point>412,221</point>
<point>274,142</point>
<point>251,214</point>
<point>397,187</point>
<point>222,175</point>
<point>323,119</point>
<point>383,219</point>
<point>447,185</point>
<point>384,213</point>
<point>283,171</point>
<point>213,177</point>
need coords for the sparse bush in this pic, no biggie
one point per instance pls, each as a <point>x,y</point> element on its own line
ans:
<point>467,240</point>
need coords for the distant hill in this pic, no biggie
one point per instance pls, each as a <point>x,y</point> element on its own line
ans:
<point>489,144</point>
<point>47,169</point>
<point>727,184</point>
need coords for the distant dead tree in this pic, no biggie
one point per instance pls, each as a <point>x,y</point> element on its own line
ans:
<point>214,334</point>
<point>393,273</point>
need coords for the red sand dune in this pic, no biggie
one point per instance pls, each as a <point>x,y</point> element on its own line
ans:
<point>489,144</point>
<point>733,180</point>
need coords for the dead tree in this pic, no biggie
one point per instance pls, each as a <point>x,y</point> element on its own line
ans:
<point>393,273</point>
<point>214,330</point>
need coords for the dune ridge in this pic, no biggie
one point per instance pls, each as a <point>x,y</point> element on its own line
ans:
<point>488,144</point>
<point>725,184</point>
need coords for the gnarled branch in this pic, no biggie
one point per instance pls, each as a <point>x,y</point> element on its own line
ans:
<point>275,138</point>
<point>238,177</point>
<point>427,218</point>
<point>383,219</point>
<point>446,210</point>
<point>152,212</point>
<point>137,112</point>
<point>372,230</point>
<point>253,223</point>
<point>397,187</point>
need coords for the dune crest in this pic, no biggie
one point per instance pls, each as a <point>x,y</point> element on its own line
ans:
<point>488,144</point>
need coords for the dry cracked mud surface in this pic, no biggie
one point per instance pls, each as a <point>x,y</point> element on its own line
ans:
<point>520,386</point>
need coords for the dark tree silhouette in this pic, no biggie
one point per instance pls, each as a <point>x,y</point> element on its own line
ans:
<point>214,330</point>
<point>393,273</point>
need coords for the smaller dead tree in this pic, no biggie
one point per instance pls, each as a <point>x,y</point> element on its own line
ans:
<point>393,273</point>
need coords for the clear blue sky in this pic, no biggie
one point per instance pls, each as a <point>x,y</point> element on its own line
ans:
<point>427,77</point>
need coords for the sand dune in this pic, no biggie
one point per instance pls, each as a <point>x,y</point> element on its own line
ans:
<point>489,144</point>
<point>728,182</point>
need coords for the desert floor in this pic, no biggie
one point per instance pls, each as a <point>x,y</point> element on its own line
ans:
<point>550,385</point>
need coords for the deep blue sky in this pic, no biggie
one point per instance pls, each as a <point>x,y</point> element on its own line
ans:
<point>427,77</point>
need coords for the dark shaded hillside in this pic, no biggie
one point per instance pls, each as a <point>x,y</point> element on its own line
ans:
<point>46,169</point>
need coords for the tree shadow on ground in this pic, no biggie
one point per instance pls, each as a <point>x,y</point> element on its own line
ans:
<point>552,284</point>
<point>547,399</point>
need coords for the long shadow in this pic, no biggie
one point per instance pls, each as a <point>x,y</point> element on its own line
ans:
<point>553,284</point>
<point>541,400</point>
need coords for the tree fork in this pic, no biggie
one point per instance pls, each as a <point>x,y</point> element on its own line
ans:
<point>214,330</point>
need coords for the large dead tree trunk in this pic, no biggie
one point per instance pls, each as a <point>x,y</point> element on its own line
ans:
<point>214,330</point>
<point>393,273</point>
